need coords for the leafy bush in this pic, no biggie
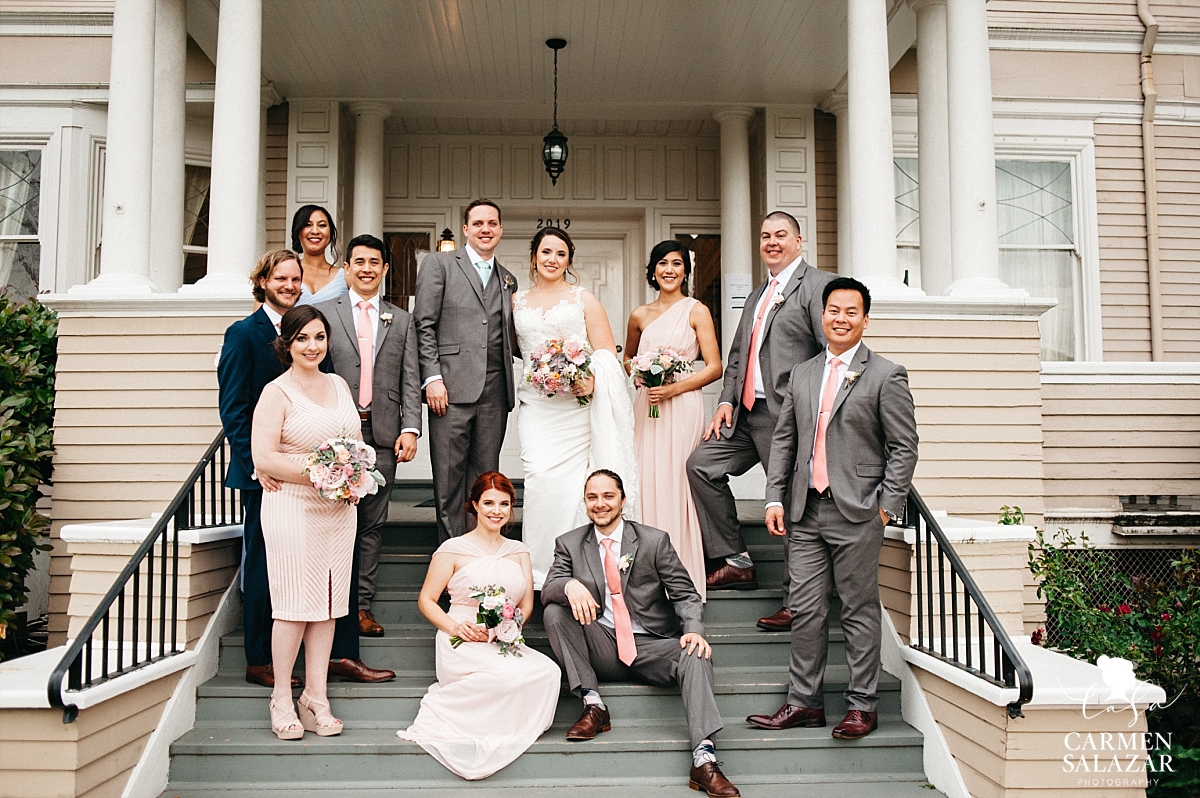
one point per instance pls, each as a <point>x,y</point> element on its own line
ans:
<point>1092,608</point>
<point>1011,516</point>
<point>29,333</point>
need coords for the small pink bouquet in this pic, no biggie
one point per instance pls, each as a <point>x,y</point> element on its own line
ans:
<point>502,618</point>
<point>342,469</point>
<point>653,369</point>
<point>556,367</point>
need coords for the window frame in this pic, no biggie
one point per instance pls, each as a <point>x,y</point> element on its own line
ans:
<point>29,144</point>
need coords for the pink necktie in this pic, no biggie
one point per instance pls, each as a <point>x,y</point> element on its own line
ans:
<point>820,465</point>
<point>366,354</point>
<point>751,355</point>
<point>626,649</point>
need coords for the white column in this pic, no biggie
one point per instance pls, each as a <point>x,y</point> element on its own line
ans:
<point>170,122</point>
<point>737,228</point>
<point>838,105</point>
<point>237,115</point>
<point>933,146</point>
<point>872,173</point>
<point>368,168</point>
<point>268,97</point>
<point>974,237</point>
<point>125,256</point>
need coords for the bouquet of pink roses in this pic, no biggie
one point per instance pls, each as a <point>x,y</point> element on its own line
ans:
<point>556,367</point>
<point>653,369</point>
<point>502,618</point>
<point>342,469</point>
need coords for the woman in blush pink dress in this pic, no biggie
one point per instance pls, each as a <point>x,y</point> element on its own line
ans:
<point>677,322</point>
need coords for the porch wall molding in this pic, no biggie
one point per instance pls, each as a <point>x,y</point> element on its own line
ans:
<point>313,160</point>
<point>791,171</point>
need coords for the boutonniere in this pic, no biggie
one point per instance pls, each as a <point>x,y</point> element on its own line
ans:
<point>386,318</point>
<point>625,563</point>
<point>777,300</point>
<point>852,377</point>
<point>510,283</point>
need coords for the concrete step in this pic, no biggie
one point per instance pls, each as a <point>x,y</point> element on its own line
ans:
<point>217,754</point>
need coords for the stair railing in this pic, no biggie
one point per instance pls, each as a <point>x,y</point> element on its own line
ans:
<point>112,644</point>
<point>959,635</point>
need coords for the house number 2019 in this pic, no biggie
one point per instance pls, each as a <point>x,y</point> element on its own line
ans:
<point>561,224</point>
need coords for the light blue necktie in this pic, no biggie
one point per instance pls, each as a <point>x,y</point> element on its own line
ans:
<point>485,271</point>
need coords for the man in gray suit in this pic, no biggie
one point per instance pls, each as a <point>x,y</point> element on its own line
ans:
<point>466,342</point>
<point>780,328</point>
<point>373,347</point>
<point>846,447</point>
<point>619,603</point>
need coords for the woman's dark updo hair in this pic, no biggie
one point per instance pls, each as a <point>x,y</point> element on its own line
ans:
<point>561,235</point>
<point>660,251</point>
<point>300,221</point>
<point>489,480</point>
<point>290,326</point>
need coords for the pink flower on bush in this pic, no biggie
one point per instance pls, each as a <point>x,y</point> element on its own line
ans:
<point>1038,636</point>
<point>1124,609</point>
<point>1166,616</point>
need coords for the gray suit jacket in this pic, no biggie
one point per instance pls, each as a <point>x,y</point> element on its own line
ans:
<point>448,310</point>
<point>395,383</point>
<point>791,334</point>
<point>657,589</point>
<point>870,445</point>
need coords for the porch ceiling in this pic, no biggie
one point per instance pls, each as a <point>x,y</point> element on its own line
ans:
<point>625,59</point>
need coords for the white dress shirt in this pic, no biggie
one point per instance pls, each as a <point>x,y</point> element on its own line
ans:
<point>373,312</point>
<point>275,318</point>
<point>607,617</point>
<point>474,257</point>
<point>782,280</point>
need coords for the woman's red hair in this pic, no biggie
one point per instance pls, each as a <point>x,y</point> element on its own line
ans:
<point>490,480</point>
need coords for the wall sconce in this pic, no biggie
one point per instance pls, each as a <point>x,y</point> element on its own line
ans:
<point>446,242</point>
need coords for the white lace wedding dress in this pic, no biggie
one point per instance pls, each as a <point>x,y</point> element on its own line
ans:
<point>561,441</point>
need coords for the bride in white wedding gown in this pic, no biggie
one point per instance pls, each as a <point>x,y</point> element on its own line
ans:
<point>561,440</point>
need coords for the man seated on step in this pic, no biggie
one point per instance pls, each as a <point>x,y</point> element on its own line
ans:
<point>608,615</point>
<point>845,448</point>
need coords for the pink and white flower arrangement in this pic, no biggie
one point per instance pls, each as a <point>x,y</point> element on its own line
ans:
<point>653,369</point>
<point>556,367</point>
<point>502,618</point>
<point>343,469</point>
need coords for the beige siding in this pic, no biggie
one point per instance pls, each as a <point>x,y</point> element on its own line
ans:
<point>1177,156</point>
<point>825,187</point>
<point>1079,76</point>
<point>1099,15</point>
<point>1104,440</point>
<point>55,59</point>
<point>278,223</point>
<point>978,395</point>
<point>135,408</point>
<point>1124,282</point>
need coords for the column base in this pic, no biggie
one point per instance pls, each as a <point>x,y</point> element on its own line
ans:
<point>883,286</point>
<point>219,285</point>
<point>116,285</point>
<point>984,288</point>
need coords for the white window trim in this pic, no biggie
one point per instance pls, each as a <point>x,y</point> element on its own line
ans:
<point>41,144</point>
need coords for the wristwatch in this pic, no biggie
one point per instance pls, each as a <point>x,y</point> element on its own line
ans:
<point>891,516</point>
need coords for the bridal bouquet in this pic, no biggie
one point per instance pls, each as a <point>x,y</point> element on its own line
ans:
<point>556,367</point>
<point>658,368</point>
<point>342,469</point>
<point>502,618</point>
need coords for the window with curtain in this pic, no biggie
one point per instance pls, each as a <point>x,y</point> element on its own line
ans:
<point>20,250</point>
<point>195,222</point>
<point>1038,251</point>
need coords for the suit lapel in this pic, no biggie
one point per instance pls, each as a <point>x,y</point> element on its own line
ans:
<point>814,388</point>
<point>470,272</point>
<point>346,314</point>
<point>591,556</point>
<point>860,362</point>
<point>793,283</point>
<point>629,547</point>
<point>266,328</point>
<point>381,329</point>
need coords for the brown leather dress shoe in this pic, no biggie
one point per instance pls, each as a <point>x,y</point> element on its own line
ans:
<point>856,725</point>
<point>788,716</point>
<point>593,721</point>
<point>727,577</point>
<point>355,670</point>
<point>780,621</point>
<point>265,675</point>
<point>367,625</point>
<point>708,778</point>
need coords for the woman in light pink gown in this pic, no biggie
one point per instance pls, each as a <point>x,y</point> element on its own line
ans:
<point>663,444</point>
<point>486,708</point>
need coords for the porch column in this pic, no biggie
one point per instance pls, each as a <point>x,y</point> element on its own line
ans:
<point>872,219</point>
<point>125,253</point>
<point>237,110</point>
<point>368,167</point>
<point>267,98</point>
<point>737,241</point>
<point>974,236</point>
<point>838,105</point>
<point>170,121</point>
<point>933,146</point>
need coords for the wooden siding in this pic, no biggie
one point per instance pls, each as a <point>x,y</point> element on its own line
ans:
<point>55,59</point>
<point>1121,218</point>
<point>825,188</point>
<point>279,226</point>
<point>1098,15</point>
<point>136,406</point>
<point>1082,76</point>
<point>1105,439</point>
<point>1177,157</point>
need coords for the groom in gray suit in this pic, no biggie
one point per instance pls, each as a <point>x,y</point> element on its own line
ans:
<point>373,347</point>
<point>619,603</point>
<point>846,449</point>
<point>466,342</point>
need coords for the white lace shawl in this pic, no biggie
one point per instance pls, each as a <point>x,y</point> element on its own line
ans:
<point>612,428</point>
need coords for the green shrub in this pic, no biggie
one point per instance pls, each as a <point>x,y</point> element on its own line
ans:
<point>27,357</point>
<point>1093,609</point>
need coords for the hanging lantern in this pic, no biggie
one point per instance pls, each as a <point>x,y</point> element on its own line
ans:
<point>554,145</point>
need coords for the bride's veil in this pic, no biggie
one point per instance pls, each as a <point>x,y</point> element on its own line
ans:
<point>612,430</point>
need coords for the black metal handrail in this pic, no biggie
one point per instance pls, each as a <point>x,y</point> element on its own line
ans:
<point>202,502</point>
<point>938,631</point>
